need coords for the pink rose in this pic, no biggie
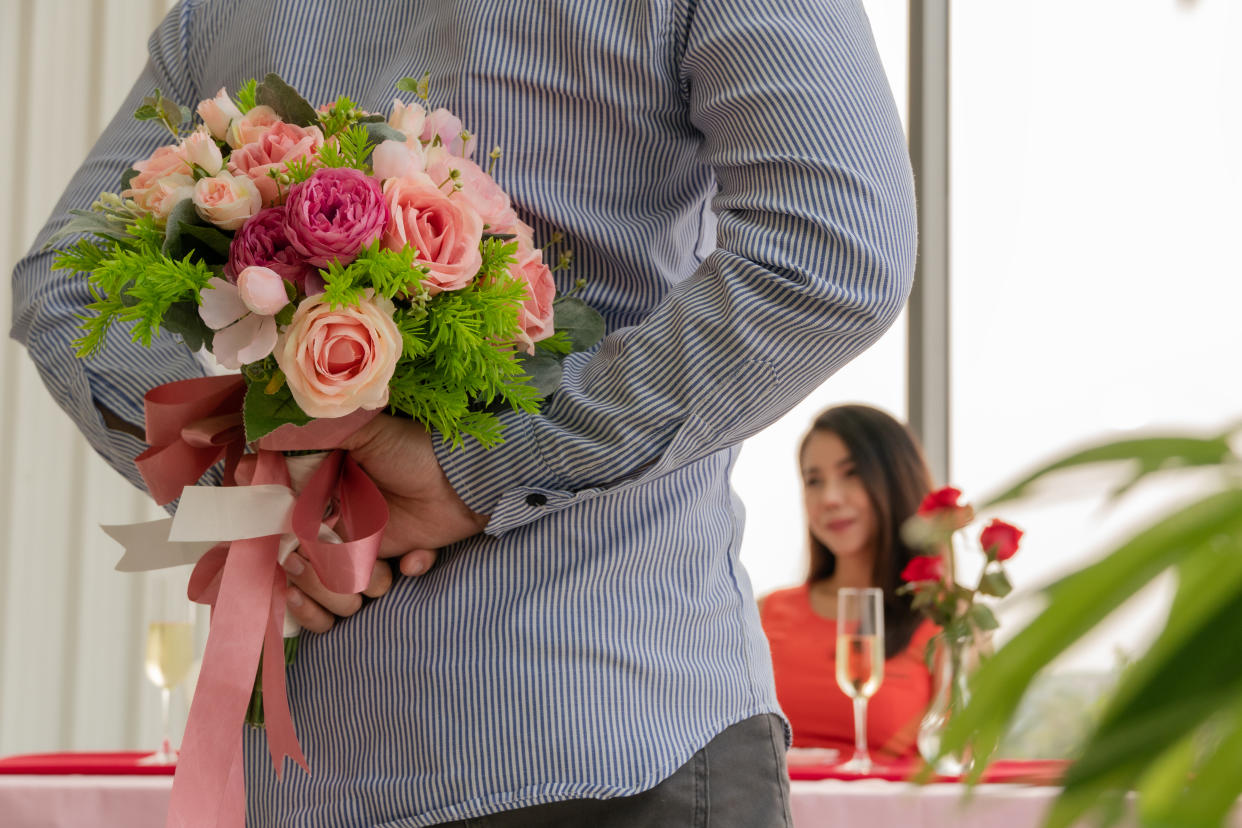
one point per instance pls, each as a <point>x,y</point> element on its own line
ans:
<point>337,361</point>
<point>334,214</point>
<point>262,241</point>
<point>218,112</point>
<point>162,180</point>
<point>278,146</point>
<point>226,200</point>
<point>201,150</point>
<point>262,290</point>
<point>250,127</point>
<point>475,185</point>
<point>447,127</point>
<point>445,231</point>
<point>535,315</point>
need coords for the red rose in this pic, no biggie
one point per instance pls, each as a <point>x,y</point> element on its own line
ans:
<point>924,568</point>
<point>939,501</point>
<point>1000,540</point>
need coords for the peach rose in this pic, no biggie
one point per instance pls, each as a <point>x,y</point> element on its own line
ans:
<point>535,315</point>
<point>163,180</point>
<point>226,200</point>
<point>444,230</point>
<point>279,145</point>
<point>250,127</point>
<point>337,361</point>
<point>218,113</point>
<point>408,119</point>
<point>393,159</point>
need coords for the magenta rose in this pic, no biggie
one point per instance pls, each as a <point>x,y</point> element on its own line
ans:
<point>334,214</point>
<point>444,230</point>
<point>262,242</point>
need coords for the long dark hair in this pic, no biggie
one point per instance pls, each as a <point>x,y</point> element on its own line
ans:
<point>889,461</point>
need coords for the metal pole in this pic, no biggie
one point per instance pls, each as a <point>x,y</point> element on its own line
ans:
<point>928,309</point>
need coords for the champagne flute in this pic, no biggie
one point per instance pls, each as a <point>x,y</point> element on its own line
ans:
<point>169,649</point>
<point>860,660</point>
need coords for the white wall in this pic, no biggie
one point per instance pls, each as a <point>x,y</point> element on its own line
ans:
<point>70,628</point>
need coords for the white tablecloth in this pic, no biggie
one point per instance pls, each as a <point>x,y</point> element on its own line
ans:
<point>141,801</point>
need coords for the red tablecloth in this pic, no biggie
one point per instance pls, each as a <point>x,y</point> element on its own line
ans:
<point>1029,772</point>
<point>119,763</point>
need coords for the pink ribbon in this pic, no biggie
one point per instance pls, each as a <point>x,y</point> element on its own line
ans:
<point>192,424</point>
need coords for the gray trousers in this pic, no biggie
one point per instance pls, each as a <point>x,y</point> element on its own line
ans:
<point>738,781</point>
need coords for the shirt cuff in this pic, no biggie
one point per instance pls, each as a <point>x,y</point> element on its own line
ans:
<point>510,482</point>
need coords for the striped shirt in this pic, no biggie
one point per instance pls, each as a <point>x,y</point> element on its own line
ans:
<point>734,184</point>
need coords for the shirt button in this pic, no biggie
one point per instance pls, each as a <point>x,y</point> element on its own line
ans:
<point>536,500</point>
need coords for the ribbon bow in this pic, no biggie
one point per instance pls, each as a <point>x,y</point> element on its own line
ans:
<point>191,425</point>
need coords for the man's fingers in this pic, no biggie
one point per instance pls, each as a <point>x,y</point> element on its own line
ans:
<point>303,576</point>
<point>417,562</point>
<point>381,580</point>
<point>309,614</point>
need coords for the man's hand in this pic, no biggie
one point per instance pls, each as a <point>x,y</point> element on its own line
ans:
<point>424,514</point>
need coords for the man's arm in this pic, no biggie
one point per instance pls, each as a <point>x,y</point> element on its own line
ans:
<point>815,258</point>
<point>103,394</point>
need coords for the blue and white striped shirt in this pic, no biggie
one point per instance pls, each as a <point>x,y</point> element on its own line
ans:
<point>733,181</point>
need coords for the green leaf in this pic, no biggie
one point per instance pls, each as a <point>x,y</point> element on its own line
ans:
<point>286,101</point>
<point>87,221</point>
<point>146,112</point>
<point>264,413</point>
<point>1218,778</point>
<point>213,238</point>
<point>128,176</point>
<point>1150,454</point>
<point>994,582</point>
<point>582,324</point>
<point>245,96</point>
<point>544,371</point>
<point>182,319</point>
<point>982,617</point>
<point>183,213</point>
<point>378,132</point>
<point>1077,603</point>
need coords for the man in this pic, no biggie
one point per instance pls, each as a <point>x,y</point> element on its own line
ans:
<point>735,188</point>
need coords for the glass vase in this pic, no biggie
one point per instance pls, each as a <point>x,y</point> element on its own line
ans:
<point>950,665</point>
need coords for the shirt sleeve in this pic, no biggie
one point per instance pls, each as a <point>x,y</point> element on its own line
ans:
<point>47,303</point>
<point>814,261</point>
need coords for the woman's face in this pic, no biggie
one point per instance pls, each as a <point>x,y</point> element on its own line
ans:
<point>838,509</point>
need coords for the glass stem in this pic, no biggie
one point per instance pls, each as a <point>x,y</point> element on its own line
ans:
<point>860,731</point>
<point>166,744</point>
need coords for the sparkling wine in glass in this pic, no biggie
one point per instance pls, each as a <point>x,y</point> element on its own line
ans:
<point>169,650</point>
<point>860,660</point>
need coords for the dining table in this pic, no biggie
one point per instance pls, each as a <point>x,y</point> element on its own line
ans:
<point>119,790</point>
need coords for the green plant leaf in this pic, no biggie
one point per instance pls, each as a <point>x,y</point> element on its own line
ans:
<point>286,101</point>
<point>182,319</point>
<point>994,582</point>
<point>1076,604</point>
<point>1149,454</point>
<point>1217,781</point>
<point>264,413</point>
<point>182,213</point>
<point>544,370</point>
<point>581,323</point>
<point>213,238</point>
<point>379,132</point>
<point>128,176</point>
<point>983,618</point>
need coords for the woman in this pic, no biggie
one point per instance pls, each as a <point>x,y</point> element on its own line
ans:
<point>863,475</point>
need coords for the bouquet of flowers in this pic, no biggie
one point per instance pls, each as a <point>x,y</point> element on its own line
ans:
<point>965,622</point>
<point>343,262</point>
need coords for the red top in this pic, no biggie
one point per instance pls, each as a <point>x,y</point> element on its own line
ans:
<point>804,648</point>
